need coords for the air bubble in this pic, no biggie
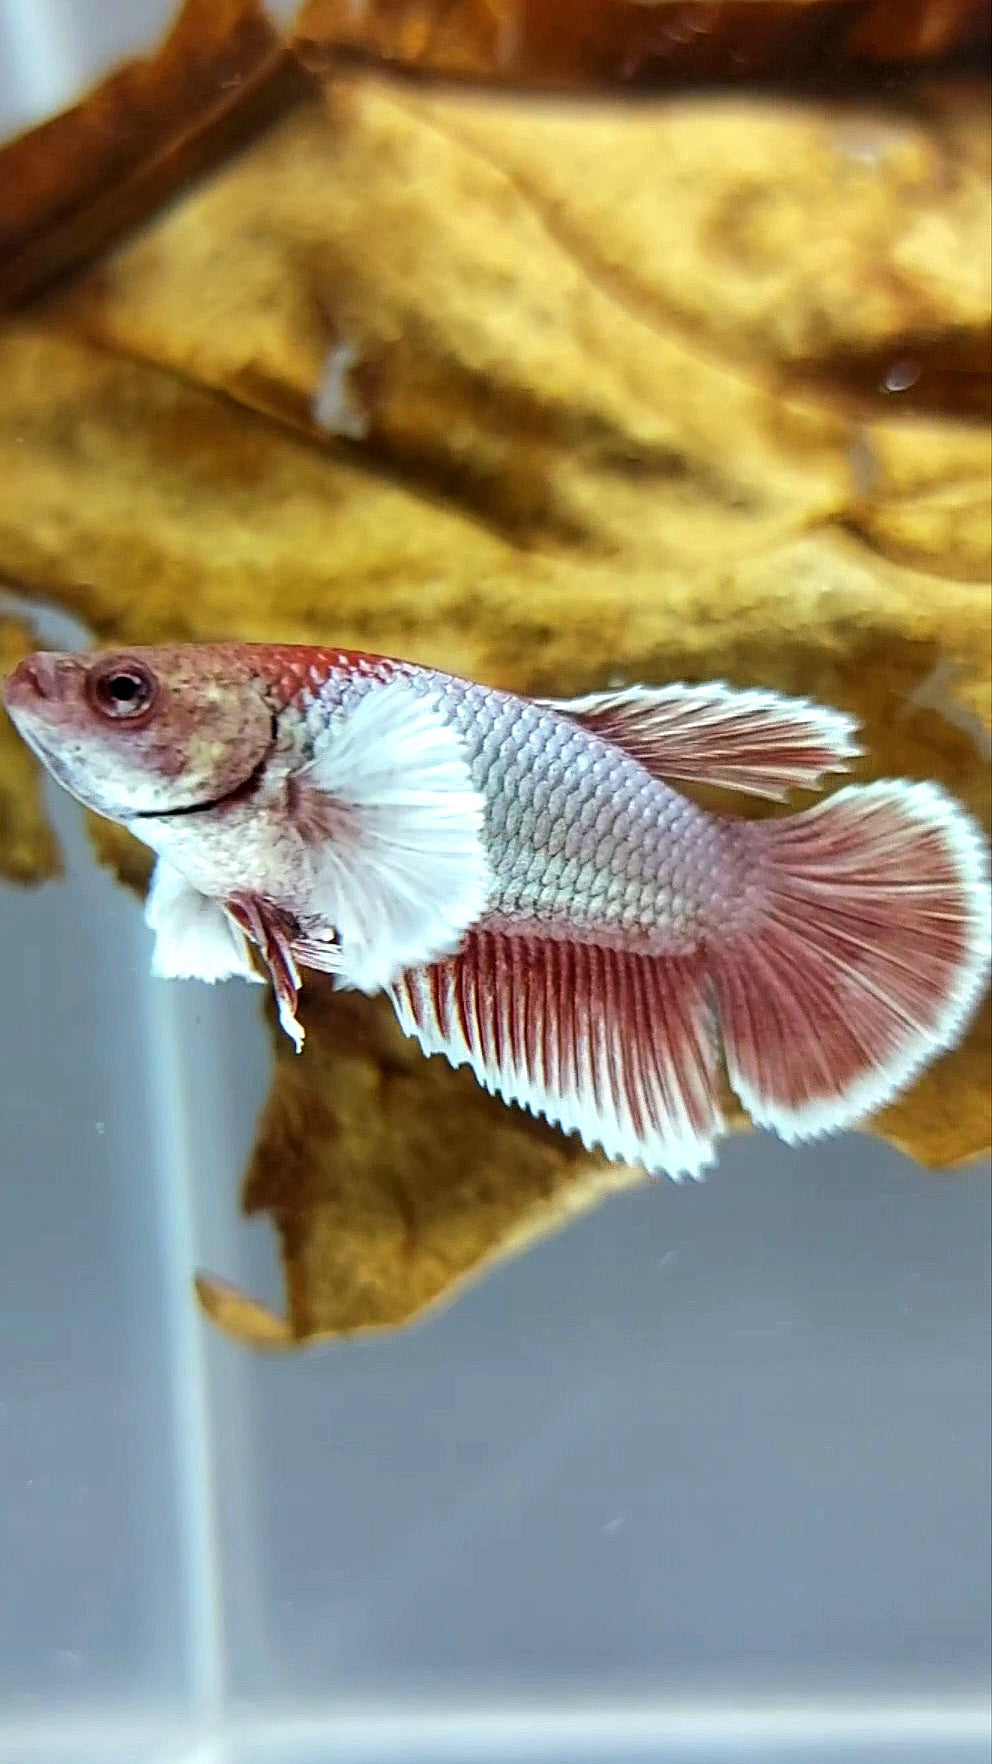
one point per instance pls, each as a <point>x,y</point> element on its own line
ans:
<point>900,376</point>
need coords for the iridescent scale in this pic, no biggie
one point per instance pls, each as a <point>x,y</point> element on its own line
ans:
<point>583,841</point>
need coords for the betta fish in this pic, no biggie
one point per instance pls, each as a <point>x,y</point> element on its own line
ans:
<point>525,882</point>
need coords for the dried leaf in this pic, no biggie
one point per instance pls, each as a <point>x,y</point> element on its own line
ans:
<point>808,238</point>
<point>393,1179</point>
<point>597,370</point>
<point>575,45</point>
<point>927,1123</point>
<point>242,1317</point>
<point>70,187</point>
<point>153,509</point>
<point>682,465</point>
<point>28,848</point>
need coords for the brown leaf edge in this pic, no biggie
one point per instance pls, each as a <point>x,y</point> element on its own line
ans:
<point>244,1319</point>
<point>948,375</point>
<point>77,182</point>
<point>587,45</point>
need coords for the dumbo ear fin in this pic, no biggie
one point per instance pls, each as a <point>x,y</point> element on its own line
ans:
<point>393,823</point>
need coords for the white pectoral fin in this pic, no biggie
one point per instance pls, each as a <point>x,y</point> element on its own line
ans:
<point>394,824</point>
<point>195,939</point>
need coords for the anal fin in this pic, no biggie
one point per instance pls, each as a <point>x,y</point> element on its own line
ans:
<point>195,937</point>
<point>758,742</point>
<point>616,1047</point>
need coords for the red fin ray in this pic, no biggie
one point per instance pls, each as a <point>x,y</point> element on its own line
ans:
<point>272,936</point>
<point>866,952</point>
<point>870,956</point>
<point>619,1048</point>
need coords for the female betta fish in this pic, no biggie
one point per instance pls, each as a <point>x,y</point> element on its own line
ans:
<point>522,879</point>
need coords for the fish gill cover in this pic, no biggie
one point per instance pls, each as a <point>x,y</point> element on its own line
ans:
<point>550,395</point>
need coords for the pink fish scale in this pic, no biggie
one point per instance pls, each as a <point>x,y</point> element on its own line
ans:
<point>628,929</point>
<point>578,830</point>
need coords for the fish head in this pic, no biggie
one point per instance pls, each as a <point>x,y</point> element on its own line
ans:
<point>146,731</point>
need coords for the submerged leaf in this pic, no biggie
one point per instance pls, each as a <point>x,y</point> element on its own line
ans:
<point>393,1179</point>
<point>118,850</point>
<point>578,44</point>
<point>637,345</point>
<point>242,1317</point>
<point>557,401</point>
<point>79,181</point>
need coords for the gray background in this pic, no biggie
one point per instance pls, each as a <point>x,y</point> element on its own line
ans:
<point>705,1476</point>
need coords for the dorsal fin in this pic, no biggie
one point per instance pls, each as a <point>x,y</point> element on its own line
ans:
<point>755,741</point>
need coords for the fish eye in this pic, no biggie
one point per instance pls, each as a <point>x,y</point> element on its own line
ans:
<point>123,690</point>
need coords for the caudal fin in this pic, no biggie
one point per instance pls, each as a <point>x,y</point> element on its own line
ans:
<point>869,956</point>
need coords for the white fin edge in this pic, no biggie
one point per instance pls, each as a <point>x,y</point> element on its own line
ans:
<point>750,739</point>
<point>581,1073</point>
<point>923,804</point>
<point>195,939</point>
<point>394,824</point>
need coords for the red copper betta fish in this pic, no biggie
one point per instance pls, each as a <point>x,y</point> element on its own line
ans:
<point>523,881</point>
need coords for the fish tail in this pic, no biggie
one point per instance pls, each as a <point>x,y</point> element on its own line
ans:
<point>866,955</point>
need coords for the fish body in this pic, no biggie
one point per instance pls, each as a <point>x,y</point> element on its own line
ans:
<point>580,841</point>
<point>529,886</point>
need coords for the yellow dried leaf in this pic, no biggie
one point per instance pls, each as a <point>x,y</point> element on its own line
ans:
<point>118,850</point>
<point>481,357</point>
<point>69,187</point>
<point>392,1179</point>
<point>487,323</point>
<point>778,231</point>
<point>242,1317</point>
<point>574,45</point>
